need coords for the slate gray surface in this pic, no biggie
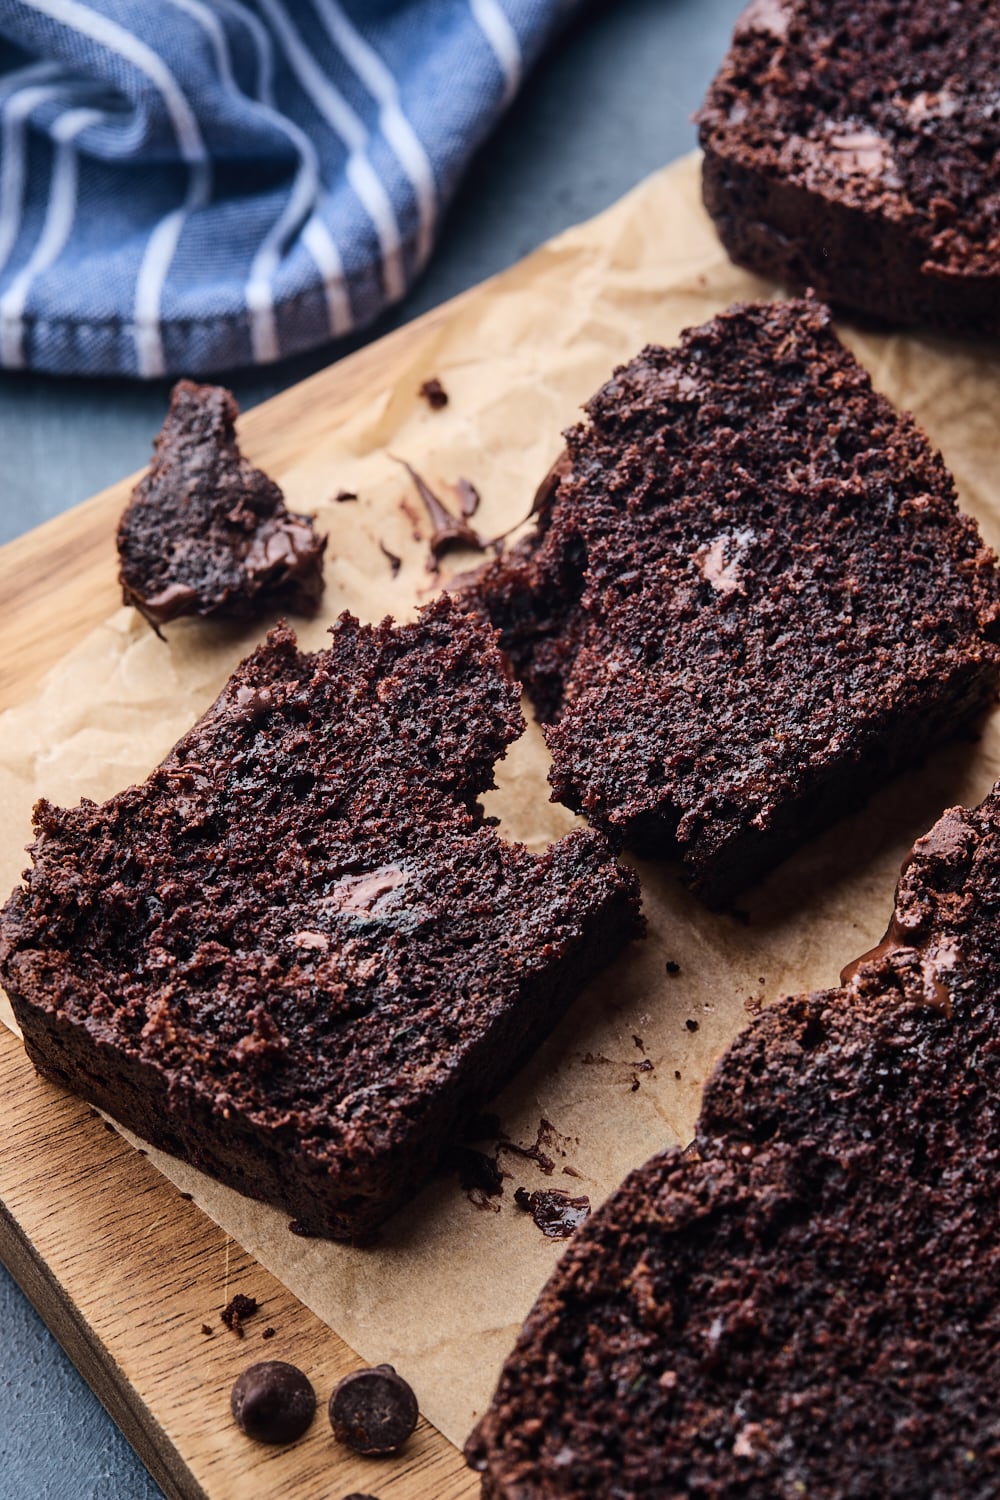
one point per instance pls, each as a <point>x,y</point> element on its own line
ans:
<point>611,103</point>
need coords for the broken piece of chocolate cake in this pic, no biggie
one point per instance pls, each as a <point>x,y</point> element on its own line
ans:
<point>205,533</point>
<point>296,955</point>
<point>855,149</point>
<point>749,598</point>
<point>807,1302</point>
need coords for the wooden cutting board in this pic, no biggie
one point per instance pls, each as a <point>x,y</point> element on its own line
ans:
<point>122,1269</point>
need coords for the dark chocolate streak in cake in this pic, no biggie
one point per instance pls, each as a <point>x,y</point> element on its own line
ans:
<point>205,533</point>
<point>808,1304</point>
<point>856,149</point>
<point>749,597</point>
<point>296,955</point>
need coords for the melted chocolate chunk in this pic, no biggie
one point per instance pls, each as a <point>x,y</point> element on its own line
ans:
<point>469,497</point>
<point>556,1214</point>
<point>373,1411</point>
<point>448,530</point>
<point>273,1402</point>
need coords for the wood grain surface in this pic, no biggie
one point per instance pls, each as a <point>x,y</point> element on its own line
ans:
<point>122,1268</point>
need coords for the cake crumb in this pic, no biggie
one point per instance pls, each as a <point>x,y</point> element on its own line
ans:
<point>434,393</point>
<point>236,1311</point>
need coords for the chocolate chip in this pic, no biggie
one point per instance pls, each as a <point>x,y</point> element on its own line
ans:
<point>373,1411</point>
<point>273,1402</point>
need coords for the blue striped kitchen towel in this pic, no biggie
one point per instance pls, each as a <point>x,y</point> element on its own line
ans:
<point>193,185</point>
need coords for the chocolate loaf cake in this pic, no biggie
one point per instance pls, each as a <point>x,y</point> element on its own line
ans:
<point>807,1302</point>
<point>205,533</point>
<point>749,598</point>
<point>856,149</point>
<point>297,956</point>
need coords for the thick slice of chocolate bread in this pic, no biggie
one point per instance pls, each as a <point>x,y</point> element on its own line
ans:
<point>749,599</point>
<point>807,1303</point>
<point>205,533</point>
<point>296,955</point>
<point>856,149</point>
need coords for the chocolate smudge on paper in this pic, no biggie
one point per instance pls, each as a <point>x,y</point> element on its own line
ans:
<point>555,1213</point>
<point>448,530</point>
<point>469,498</point>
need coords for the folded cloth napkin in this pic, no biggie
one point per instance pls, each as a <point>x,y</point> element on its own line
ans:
<point>193,185</point>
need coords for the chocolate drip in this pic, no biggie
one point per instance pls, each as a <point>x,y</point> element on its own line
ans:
<point>448,530</point>
<point>930,956</point>
<point>546,491</point>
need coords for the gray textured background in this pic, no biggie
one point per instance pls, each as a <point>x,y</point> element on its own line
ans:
<point>610,104</point>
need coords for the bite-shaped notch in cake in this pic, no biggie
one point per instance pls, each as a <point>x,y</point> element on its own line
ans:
<point>749,598</point>
<point>205,533</point>
<point>806,1303</point>
<point>855,149</point>
<point>297,956</point>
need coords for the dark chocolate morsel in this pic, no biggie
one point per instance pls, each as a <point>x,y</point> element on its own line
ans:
<point>273,1402</point>
<point>373,1411</point>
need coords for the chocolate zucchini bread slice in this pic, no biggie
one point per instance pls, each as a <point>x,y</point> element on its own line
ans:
<point>205,533</point>
<point>856,149</point>
<point>807,1302</point>
<point>297,956</point>
<point>749,598</point>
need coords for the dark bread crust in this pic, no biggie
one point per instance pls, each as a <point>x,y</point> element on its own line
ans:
<point>205,533</point>
<point>807,1303</point>
<point>856,150</point>
<point>750,597</point>
<point>296,955</point>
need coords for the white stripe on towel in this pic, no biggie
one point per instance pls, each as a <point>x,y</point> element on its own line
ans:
<point>341,117</point>
<point>59,216</point>
<point>398,130</point>
<point>498,31</point>
<point>162,243</point>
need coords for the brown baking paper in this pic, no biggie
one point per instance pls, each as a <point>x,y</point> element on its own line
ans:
<point>443,1292</point>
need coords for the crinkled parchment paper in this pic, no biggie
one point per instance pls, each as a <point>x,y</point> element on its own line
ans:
<point>442,1293</point>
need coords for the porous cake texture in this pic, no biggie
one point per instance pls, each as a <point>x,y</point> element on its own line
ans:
<point>855,149</point>
<point>205,533</point>
<point>750,597</point>
<point>297,956</point>
<point>806,1302</point>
